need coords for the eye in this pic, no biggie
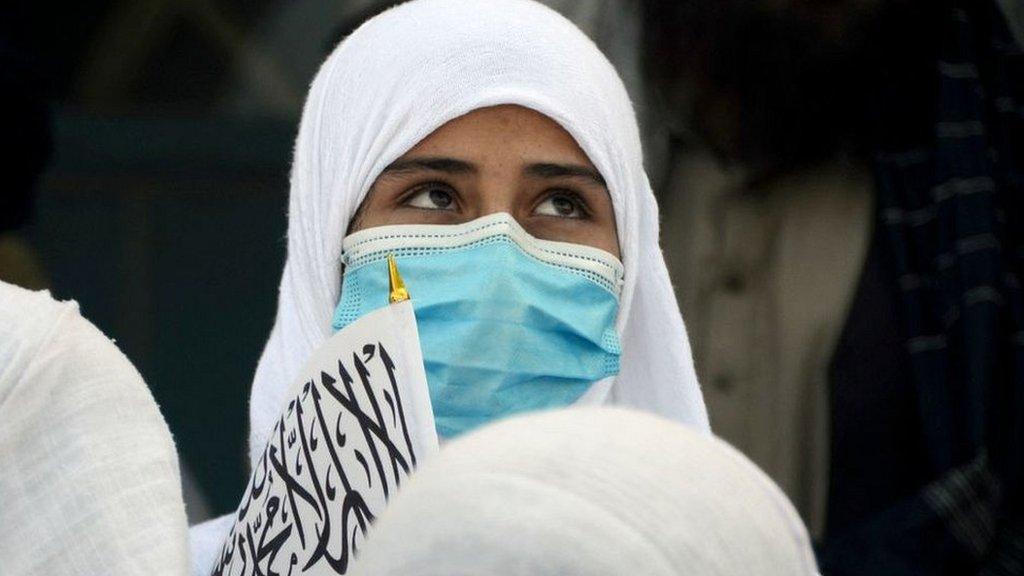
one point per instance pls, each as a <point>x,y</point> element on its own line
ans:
<point>434,196</point>
<point>562,205</point>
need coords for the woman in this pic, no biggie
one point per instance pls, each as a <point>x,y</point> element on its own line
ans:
<point>455,112</point>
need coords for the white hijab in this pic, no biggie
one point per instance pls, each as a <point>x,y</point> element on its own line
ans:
<point>588,492</point>
<point>395,80</point>
<point>89,481</point>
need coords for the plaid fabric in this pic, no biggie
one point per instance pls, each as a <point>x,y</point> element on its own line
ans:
<point>953,217</point>
<point>965,500</point>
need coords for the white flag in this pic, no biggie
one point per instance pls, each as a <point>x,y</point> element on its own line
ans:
<point>356,424</point>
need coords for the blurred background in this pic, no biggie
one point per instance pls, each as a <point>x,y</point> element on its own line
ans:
<point>841,191</point>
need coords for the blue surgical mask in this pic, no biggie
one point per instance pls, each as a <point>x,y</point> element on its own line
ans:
<point>508,323</point>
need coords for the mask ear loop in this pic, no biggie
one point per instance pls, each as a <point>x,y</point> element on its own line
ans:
<point>341,275</point>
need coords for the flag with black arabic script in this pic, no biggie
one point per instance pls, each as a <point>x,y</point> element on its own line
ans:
<point>356,424</point>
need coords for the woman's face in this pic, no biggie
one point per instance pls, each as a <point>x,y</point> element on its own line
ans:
<point>498,159</point>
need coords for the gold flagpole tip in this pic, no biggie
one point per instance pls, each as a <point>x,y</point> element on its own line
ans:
<point>395,283</point>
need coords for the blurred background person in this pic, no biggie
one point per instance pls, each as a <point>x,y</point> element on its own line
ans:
<point>90,473</point>
<point>846,240</point>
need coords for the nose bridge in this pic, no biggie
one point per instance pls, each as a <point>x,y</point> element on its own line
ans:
<point>499,190</point>
<point>499,196</point>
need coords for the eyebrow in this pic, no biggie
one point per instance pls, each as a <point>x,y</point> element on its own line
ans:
<point>549,170</point>
<point>456,166</point>
<point>437,164</point>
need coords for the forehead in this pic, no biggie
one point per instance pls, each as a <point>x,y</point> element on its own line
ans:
<point>504,132</point>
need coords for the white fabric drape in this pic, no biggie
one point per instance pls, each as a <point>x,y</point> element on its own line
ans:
<point>89,481</point>
<point>588,492</point>
<point>391,83</point>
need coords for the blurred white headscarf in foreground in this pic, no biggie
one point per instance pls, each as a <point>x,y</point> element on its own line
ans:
<point>89,481</point>
<point>594,492</point>
<point>390,84</point>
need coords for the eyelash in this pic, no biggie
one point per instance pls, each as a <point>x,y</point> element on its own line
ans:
<point>415,190</point>
<point>577,200</point>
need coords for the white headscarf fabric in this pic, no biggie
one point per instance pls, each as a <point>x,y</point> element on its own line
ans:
<point>401,76</point>
<point>90,480</point>
<point>594,492</point>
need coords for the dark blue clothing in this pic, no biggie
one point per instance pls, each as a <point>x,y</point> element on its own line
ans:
<point>877,448</point>
<point>950,212</point>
